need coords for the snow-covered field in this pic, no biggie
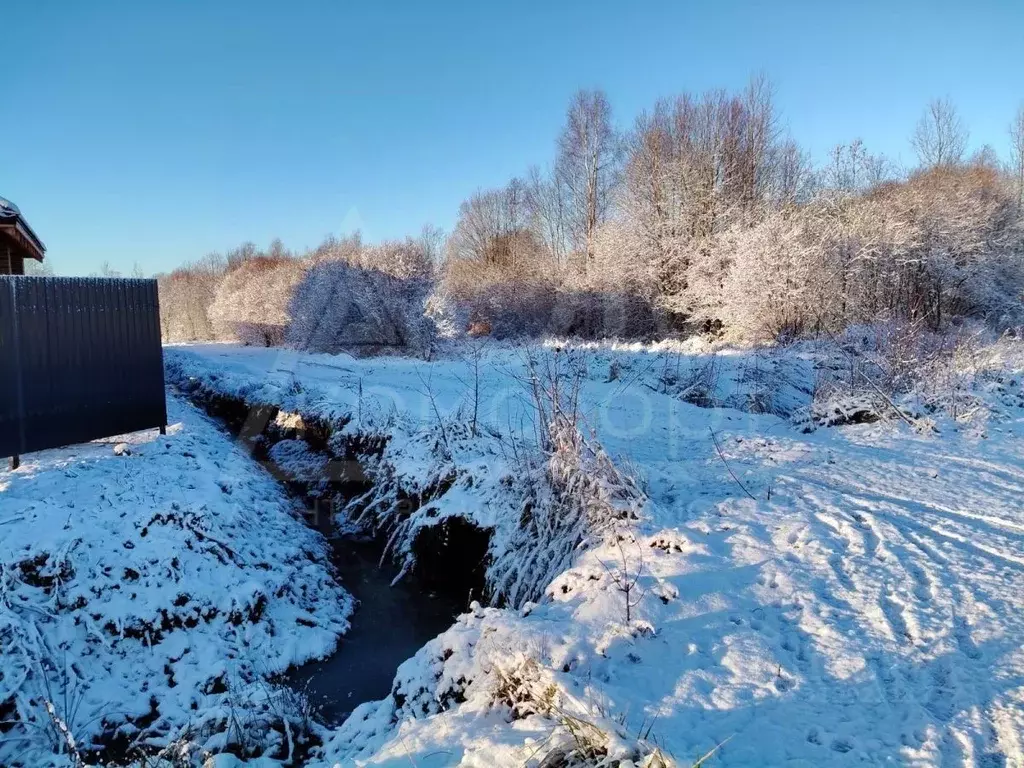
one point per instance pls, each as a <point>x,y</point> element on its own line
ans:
<point>162,586</point>
<point>848,595</point>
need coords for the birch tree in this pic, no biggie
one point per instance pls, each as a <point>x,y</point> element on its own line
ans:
<point>587,166</point>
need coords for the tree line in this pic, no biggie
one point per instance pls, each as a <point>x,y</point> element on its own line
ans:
<point>702,216</point>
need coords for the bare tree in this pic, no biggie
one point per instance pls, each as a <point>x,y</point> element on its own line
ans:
<point>244,252</point>
<point>755,133</point>
<point>479,223</point>
<point>695,167</point>
<point>793,179</point>
<point>493,230</point>
<point>940,137</point>
<point>185,298</point>
<point>1017,154</point>
<point>853,170</point>
<point>277,249</point>
<point>587,166</point>
<point>546,201</point>
<point>986,157</point>
<point>431,240</point>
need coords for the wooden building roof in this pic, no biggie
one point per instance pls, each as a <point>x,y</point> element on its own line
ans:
<point>17,235</point>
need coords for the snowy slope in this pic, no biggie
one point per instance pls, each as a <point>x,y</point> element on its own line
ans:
<point>871,612</point>
<point>161,586</point>
<point>857,601</point>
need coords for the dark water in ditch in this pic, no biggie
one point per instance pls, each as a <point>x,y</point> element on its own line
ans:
<point>390,624</point>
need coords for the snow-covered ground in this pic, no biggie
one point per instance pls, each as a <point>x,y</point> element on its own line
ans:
<point>161,584</point>
<point>845,596</point>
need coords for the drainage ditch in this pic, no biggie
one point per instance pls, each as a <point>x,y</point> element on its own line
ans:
<point>391,622</point>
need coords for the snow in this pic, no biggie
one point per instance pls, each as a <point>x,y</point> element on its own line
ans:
<point>8,209</point>
<point>134,581</point>
<point>857,601</point>
<point>837,596</point>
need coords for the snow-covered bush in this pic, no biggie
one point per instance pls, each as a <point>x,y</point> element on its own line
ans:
<point>536,498</point>
<point>252,301</point>
<point>340,306</point>
<point>512,307</point>
<point>535,308</point>
<point>773,286</point>
<point>905,371</point>
<point>449,316</point>
<point>573,493</point>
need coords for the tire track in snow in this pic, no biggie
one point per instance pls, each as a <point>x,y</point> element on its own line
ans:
<point>939,559</point>
<point>900,613</point>
<point>988,466</point>
<point>951,574</point>
<point>868,577</point>
<point>996,525</point>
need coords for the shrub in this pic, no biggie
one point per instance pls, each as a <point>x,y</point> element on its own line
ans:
<point>252,301</point>
<point>339,306</point>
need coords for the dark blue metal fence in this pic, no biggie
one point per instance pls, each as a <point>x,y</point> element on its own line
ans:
<point>80,359</point>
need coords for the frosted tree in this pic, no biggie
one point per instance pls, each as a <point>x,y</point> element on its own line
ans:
<point>851,169</point>
<point>342,306</point>
<point>432,241</point>
<point>1017,155</point>
<point>587,167</point>
<point>185,298</point>
<point>495,267</point>
<point>547,207</point>
<point>968,242</point>
<point>35,268</point>
<point>751,135</point>
<point>251,302</point>
<point>695,167</point>
<point>793,180</point>
<point>493,233</point>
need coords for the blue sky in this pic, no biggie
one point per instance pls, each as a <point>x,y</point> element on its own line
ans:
<point>157,132</point>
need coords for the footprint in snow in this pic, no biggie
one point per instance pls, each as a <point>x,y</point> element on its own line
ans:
<point>842,745</point>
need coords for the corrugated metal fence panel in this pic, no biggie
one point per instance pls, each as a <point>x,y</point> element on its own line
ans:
<point>90,359</point>
<point>10,436</point>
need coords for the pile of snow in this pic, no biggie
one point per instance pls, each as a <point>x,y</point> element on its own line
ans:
<point>154,590</point>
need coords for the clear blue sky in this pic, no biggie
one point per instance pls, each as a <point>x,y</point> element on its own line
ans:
<point>157,132</point>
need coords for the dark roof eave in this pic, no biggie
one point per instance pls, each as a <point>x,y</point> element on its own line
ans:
<point>33,236</point>
<point>23,232</point>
